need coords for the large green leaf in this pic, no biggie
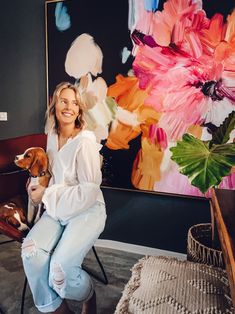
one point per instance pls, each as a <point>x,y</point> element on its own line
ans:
<point>221,135</point>
<point>204,166</point>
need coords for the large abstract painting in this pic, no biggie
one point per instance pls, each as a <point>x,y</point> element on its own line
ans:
<point>157,79</point>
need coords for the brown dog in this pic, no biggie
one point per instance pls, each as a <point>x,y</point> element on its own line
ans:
<point>35,160</point>
<point>13,213</point>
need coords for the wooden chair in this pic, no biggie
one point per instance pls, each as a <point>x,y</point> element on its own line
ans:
<point>12,183</point>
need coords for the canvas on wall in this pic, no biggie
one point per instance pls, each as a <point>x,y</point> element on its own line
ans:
<point>150,72</point>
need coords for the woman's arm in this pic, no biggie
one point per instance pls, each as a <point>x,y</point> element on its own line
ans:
<point>63,201</point>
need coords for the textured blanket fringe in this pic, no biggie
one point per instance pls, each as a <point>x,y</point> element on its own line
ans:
<point>131,286</point>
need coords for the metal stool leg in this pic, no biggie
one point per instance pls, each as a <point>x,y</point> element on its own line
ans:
<point>23,296</point>
<point>104,280</point>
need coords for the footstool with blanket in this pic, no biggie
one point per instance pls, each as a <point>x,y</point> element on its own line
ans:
<point>162,285</point>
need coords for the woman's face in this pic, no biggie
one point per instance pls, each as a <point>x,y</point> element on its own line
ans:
<point>67,107</point>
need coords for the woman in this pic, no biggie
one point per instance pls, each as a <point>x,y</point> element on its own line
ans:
<point>75,216</point>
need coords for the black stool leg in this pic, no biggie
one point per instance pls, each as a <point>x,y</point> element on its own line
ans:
<point>23,296</point>
<point>104,280</point>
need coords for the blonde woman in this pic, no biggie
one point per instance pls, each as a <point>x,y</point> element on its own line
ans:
<point>55,247</point>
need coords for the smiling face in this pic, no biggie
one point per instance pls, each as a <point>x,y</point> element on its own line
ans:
<point>54,117</point>
<point>67,107</point>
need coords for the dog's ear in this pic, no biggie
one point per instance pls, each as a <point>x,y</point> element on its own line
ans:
<point>22,215</point>
<point>39,164</point>
<point>13,221</point>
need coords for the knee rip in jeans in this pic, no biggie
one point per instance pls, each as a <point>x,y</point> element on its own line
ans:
<point>28,248</point>
<point>58,276</point>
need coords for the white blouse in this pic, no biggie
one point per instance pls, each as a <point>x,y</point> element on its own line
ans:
<point>76,176</point>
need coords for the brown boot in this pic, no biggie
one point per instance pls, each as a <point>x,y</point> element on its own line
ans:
<point>89,307</point>
<point>63,309</point>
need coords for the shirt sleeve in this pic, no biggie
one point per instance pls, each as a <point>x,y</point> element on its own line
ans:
<point>63,201</point>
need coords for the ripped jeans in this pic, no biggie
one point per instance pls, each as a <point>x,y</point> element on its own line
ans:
<point>53,253</point>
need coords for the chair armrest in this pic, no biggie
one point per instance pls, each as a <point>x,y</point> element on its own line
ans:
<point>11,232</point>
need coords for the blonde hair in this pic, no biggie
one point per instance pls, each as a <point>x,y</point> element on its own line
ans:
<point>51,120</point>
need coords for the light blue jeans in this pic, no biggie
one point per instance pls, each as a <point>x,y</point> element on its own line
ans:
<point>53,253</point>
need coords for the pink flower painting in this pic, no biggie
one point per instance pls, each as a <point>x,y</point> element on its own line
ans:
<point>155,78</point>
<point>182,80</point>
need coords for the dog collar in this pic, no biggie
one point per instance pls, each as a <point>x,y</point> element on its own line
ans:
<point>41,174</point>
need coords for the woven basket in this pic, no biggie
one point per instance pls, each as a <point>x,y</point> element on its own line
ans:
<point>200,248</point>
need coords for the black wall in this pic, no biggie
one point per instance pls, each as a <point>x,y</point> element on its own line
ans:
<point>22,67</point>
<point>155,220</point>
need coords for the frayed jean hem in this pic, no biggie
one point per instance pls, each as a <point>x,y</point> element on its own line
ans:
<point>51,307</point>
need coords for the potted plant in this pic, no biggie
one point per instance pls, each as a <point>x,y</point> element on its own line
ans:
<point>205,163</point>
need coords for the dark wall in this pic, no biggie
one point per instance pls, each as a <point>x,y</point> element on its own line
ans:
<point>152,219</point>
<point>22,64</point>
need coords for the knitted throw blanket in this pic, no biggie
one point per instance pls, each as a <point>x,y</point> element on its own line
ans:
<point>161,285</point>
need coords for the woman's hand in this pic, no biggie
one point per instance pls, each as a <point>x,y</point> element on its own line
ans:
<point>36,193</point>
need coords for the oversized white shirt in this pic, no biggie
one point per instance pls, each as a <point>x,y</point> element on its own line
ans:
<point>76,176</point>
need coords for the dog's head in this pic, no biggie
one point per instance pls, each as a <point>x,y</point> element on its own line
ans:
<point>34,159</point>
<point>13,215</point>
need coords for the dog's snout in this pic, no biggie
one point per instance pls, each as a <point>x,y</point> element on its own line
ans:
<point>18,158</point>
